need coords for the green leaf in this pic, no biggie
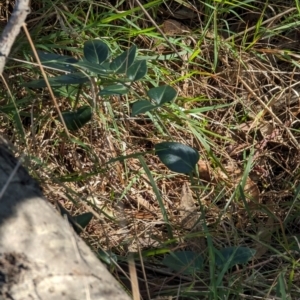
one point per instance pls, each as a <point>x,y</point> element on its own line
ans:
<point>64,212</point>
<point>76,119</point>
<point>231,256</point>
<point>61,62</point>
<point>107,257</point>
<point>67,91</point>
<point>94,68</point>
<point>293,242</point>
<point>95,51</point>
<point>281,287</point>
<point>162,94</point>
<point>116,89</point>
<point>83,220</point>
<point>185,262</point>
<point>123,62</point>
<point>177,157</point>
<point>137,71</point>
<point>141,106</point>
<point>73,78</point>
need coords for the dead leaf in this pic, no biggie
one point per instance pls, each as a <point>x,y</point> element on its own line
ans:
<point>252,194</point>
<point>145,204</point>
<point>264,235</point>
<point>187,203</point>
<point>190,218</point>
<point>266,129</point>
<point>188,211</point>
<point>172,27</point>
<point>204,171</point>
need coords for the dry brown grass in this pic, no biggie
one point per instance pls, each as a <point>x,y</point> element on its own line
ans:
<point>258,78</point>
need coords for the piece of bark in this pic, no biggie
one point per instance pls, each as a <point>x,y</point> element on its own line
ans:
<point>40,255</point>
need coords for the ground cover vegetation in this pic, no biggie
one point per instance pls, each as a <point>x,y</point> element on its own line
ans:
<point>171,139</point>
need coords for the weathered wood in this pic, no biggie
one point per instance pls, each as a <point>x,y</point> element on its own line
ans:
<point>40,255</point>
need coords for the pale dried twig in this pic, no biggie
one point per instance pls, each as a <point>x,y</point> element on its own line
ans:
<point>12,29</point>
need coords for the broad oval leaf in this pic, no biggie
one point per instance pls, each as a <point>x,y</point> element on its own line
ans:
<point>185,262</point>
<point>76,119</point>
<point>61,62</point>
<point>141,106</point>
<point>137,71</point>
<point>95,51</point>
<point>116,89</point>
<point>123,62</point>
<point>83,220</point>
<point>177,157</point>
<point>231,256</point>
<point>72,78</point>
<point>162,94</point>
<point>93,68</point>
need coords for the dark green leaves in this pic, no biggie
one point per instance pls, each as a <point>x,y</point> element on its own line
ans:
<point>95,51</point>
<point>116,89</point>
<point>122,62</point>
<point>107,257</point>
<point>93,68</point>
<point>110,73</point>
<point>185,262</point>
<point>83,220</point>
<point>95,63</point>
<point>177,157</point>
<point>137,71</point>
<point>160,94</point>
<point>228,257</point>
<point>78,222</point>
<point>73,78</point>
<point>189,262</point>
<point>141,106</point>
<point>76,119</point>
<point>61,62</point>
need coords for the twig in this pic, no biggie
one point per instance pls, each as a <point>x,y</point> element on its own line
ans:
<point>12,29</point>
<point>46,79</point>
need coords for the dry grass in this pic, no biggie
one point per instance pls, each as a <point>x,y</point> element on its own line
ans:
<point>238,105</point>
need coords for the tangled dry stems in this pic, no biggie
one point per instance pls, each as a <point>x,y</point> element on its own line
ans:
<point>259,85</point>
